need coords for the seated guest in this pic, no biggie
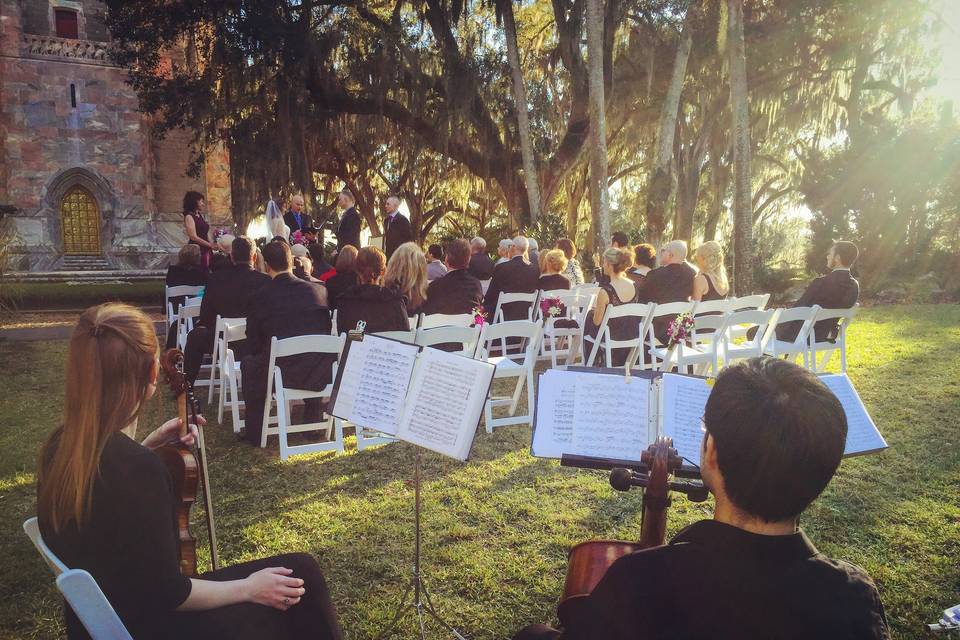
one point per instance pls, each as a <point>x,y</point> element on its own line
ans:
<point>503,250</point>
<point>283,308</point>
<point>186,272</point>
<point>711,282</point>
<point>227,295</point>
<point>672,281</point>
<point>458,292</point>
<point>617,289</point>
<point>303,269</point>
<point>346,276</point>
<point>573,271</point>
<point>481,266</point>
<point>644,261</point>
<point>321,268</point>
<point>836,290</point>
<point>106,504</point>
<point>533,252</point>
<point>773,438</point>
<point>554,265</point>
<point>620,240</point>
<point>516,275</point>
<point>382,308</point>
<point>407,273</point>
<point>221,255</point>
<point>435,268</point>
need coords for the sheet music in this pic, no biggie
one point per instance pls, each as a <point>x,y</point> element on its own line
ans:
<point>862,434</point>
<point>447,395</point>
<point>374,383</point>
<point>682,402</point>
<point>591,414</point>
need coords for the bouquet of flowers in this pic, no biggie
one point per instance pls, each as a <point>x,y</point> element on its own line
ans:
<point>680,330</point>
<point>552,308</point>
<point>297,237</point>
<point>219,233</point>
<point>479,317</point>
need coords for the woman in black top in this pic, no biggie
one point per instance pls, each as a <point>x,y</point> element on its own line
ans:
<point>196,228</point>
<point>552,265</point>
<point>711,283</point>
<point>618,290</point>
<point>383,309</point>
<point>346,276</point>
<point>106,505</point>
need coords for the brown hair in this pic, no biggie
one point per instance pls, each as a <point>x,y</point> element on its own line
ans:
<point>846,251</point>
<point>346,259</point>
<point>189,254</point>
<point>113,351</point>
<point>620,259</point>
<point>645,254</point>
<point>568,247</point>
<point>458,253</point>
<point>371,264</point>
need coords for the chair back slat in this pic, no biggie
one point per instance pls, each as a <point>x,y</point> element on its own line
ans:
<point>755,302</point>
<point>91,606</point>
<point>402,336</point>
<point>282,348</point>
<point>32,528</point>
<point>432,320</point>
<point>467,337</point>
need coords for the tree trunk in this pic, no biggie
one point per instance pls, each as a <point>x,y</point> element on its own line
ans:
<point>740,109</point>
<point>599,196</point>
<point>523,117</point>
<point>661,182</point>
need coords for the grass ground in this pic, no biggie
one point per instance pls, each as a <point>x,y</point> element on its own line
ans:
<point>497,528</point>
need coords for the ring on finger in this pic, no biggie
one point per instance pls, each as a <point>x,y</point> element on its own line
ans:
<point>286,602</point>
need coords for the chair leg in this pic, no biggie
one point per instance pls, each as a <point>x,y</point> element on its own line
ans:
<point>516,395</point>
<point>488,415</point>
<point>283,408</point>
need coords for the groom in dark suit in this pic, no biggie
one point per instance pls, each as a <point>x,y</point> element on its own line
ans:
<point>348,231</point>
<point>836,290</point>
<point>295,218</point>
<point>396,228</point>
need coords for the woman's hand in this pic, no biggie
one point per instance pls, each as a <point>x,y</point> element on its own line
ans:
<point>273,587</point>
<point>168,431</point>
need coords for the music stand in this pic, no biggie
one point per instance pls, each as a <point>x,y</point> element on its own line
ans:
<point>420,603</point>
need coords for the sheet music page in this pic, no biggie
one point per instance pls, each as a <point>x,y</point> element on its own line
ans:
<point>374,383</point>
<point>862,434</point>
<point>446,398</point>
<point>682,402</point>
<point>591,414</point>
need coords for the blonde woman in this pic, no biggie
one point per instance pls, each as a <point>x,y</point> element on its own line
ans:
<point>407,273</point>
<point>711,282</point>
<point>106,504</point>
<point>619,289</point>
<point>553,264</point>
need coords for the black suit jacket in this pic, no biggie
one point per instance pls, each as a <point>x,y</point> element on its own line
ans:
<point>348,231</point>
<point>481,266</point>
<point>836,290</point>
<point>383,309</point>
<point>291,221</point>
<point>397,232</point>
<point>229,292</point>
<point>512,276</point>
<point>669,283</point>
<point>455,293</point>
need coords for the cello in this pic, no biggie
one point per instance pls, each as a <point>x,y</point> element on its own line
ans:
<point>184,468</point>
<point>588,561</point>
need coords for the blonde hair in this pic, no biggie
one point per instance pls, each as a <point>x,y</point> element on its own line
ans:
<point>407,270</point>
<point>553,260</point>
<point>113,351</point>
<point>619,259</point>
<point>710,260</point>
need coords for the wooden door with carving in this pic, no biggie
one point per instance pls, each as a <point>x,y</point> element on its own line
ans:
<point>80,218</point>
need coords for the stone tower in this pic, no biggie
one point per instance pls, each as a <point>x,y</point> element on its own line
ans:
<point>87,181</point>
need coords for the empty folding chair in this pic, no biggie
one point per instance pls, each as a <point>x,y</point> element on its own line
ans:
<point>610,337</point>
<point>830,338</point>
<point>217,357</point>
<point>429,321</point>
<point>530,299</point>
<point>178,294</point>
<point>186,314</point>
<point>230,373</point>
<point>286,396</point>
<point>754,302</point>
<point>662,315</point>
<point>466,337</point>
<point>518,366</point>
<point>803,317</point>
<point>713,307</point>
<point>750,347</point>
<point>702,352</point>
<point>563,336</point>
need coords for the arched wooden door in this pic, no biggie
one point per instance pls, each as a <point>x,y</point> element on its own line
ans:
<point>80,217</point>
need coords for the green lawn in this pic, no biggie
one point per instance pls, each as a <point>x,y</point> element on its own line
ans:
<point>497,528</point>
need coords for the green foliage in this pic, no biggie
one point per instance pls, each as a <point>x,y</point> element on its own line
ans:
<point>61,295</point>
<point>548,229</point>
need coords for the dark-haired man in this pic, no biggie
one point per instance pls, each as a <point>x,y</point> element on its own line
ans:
<point>396,228</point>
<point>283,308</point>
<point>435,267</point>
<point>227,295</point>
<point>773,438</point>
<point>458,291</point>
<point>620,240</point>
<point>836,290</point>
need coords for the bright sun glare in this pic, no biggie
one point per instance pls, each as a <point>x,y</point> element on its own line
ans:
<point>948,85</point>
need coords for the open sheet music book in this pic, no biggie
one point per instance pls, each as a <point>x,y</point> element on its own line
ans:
<point>427,397</point>
<point>599,414</point>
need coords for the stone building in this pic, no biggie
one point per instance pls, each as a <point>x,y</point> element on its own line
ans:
<point>87,184</point>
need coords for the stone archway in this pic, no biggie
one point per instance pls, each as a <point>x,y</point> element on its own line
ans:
<point>81,205</point>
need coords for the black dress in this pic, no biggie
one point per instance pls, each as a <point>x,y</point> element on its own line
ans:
<point>129,545</point>
<point>712,293</point>
<point>337,284</point>
<point>554,281</point>
<point>620,328</point>
<point>203,228</point>
<point>381,308</point>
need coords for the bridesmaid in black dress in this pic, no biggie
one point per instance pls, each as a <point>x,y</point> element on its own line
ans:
<point>617,291</point>
<point>198,230</point>
<point>711,283</point>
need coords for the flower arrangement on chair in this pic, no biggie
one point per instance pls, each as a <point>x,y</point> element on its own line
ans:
<point>680,330</point>
<point>479,317</point>
<point>552,308</point>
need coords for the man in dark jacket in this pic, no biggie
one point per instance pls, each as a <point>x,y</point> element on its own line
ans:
<point>396,228</point>
<point>227,295</point>
<point>836,290</point>
<point>295,218</point>
<point>516,275</point>
<point>283,308</point>
<point>481,266</point>
<point>348,231</point>
<point>672,281</point>
<point>457,292</point>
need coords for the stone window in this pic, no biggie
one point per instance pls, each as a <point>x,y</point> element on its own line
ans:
<point>67,23</point>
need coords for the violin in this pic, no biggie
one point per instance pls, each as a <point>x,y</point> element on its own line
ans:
<point>589,561</point>
<point>186,471</point>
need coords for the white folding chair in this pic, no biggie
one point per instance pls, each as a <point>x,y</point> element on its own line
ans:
<point>713,307</point>
<point>566,340</point>
<point>702,352</point>
<point>333,323</point>
<point>543,295</point>
<point>286,396</point>
<point>467,337</point>
<point>217,358</point>
<point>402,336</point>
<point>642,313</point>
<point>186,314</point>
<point>587,289</point>
<point>843,318</point>
<point>666,310</point>
<point>744,321</point>
<point>754,302</point>
<point>517,366</point>
<point>230,373</point>
<point>181,291</point>
<point>81,592</point>
<point>798,346</point>
<point>507,298</point>
<point>429,321</point>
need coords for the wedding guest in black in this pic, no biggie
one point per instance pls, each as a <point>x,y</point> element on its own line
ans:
<point>617,289</point>
<point>346,276</point>
<point>348,231</point>
<point>620,240</point>
<point>573,271</point>
<point>227,295</point>
<point>283,308</point>
<point>644,261</point>
<point>516,275</point>
<point>196,227</point>
<point>711,282</point>
<point>459,291</point>
<point>382,308</point>
<point>481,266</point>
<point>396,228</point>
<point>672,281</point>
<point>435,267</point>
<point>773,438</point>
<point>533,253</point>
<point>554,267</point>
<point>106,504</point>
<point>322,270</point>
<point>836,290</point>
<point>303,268</point>
<point>186,272</point>
<point>295,218</point>
<point>407,273</point>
